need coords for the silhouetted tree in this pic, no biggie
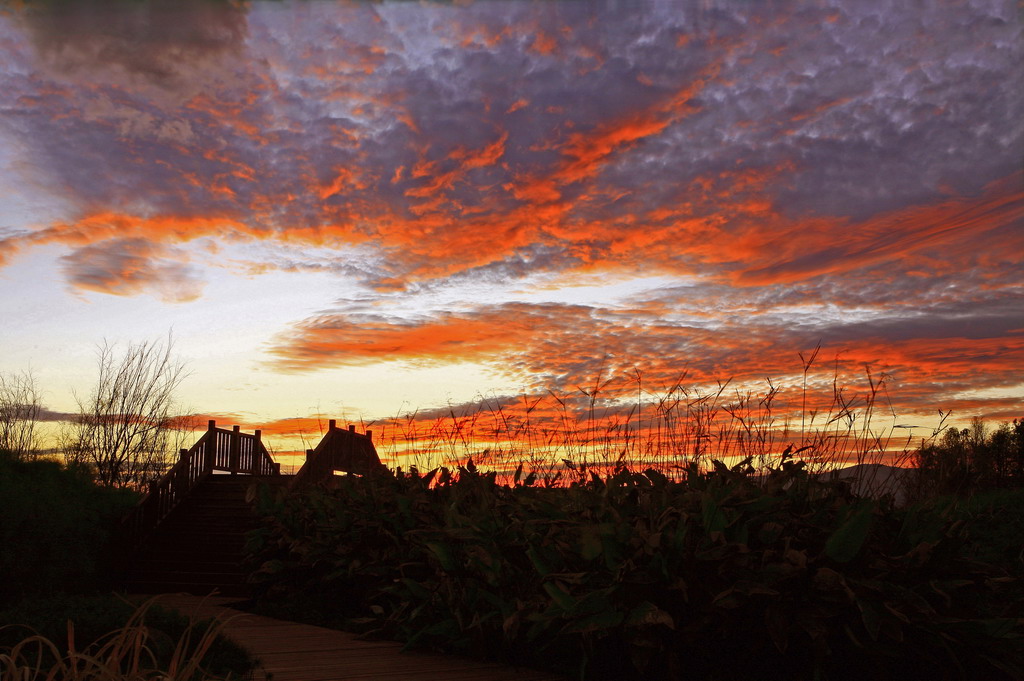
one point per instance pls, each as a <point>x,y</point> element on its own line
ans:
<point>122,428</point>
<point>1017,449</point>
<point>972,458</point>
<point>19,412</point>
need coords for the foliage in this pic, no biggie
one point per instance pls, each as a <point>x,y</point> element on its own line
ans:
<point>55,528</point>
<point>995,520</point>
<point>123,427</point>
<point>636,576</point>
<point>122,642</point>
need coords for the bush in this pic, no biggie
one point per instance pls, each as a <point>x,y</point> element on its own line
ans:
<point>994,523</point>
<point>55,529</point>
<point>634,576</point>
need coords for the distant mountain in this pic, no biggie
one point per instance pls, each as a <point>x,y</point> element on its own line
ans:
<point>876,480</point>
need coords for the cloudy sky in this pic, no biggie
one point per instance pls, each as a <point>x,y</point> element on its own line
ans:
<point>358,209</point>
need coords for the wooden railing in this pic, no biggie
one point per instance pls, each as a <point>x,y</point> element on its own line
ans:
<point>339,450</point>
<point>217,450</point>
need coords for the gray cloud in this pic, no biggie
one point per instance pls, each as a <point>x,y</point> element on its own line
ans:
<point>130,266</point>
<point>869,115</point>
<point>167,49</point>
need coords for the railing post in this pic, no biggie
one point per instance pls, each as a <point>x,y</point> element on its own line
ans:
<point>181,475</point>
<point>236,448</point>
<point>308,467</point>
<point>152,513</point>
<point>210,455</point>
<point>257,452</point>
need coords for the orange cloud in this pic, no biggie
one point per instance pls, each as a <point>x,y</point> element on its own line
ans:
<point>544,44</point>
<point>344,178</point>
<point>810,249</point>
<point>517,105</point>
<point>335,340</point>
<point>570,349</point>
<point>108,225</point>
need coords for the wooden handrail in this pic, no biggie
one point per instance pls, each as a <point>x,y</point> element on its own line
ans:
<point>339,450</point>
<point>217,450</point>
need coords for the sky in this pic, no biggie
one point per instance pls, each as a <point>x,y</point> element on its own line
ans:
<point>358,210</point>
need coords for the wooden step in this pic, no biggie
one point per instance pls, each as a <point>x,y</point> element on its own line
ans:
<point>200,545</point>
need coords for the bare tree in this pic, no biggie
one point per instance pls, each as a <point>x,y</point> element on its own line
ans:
<point>123,429</point>
<point>19,412</point>
<point>185,429</point>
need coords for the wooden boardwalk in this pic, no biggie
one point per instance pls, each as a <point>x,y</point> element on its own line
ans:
<point>289,651</point>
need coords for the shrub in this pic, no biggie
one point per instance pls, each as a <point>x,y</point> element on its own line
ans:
<point>635,576</point>
<point>994,522</point>
<point>55,528</point>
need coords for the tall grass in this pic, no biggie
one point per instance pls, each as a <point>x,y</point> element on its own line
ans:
<point>125,654</point>
<point>623,421</point>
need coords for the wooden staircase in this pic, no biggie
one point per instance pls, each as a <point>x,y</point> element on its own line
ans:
<point>200,545</point>
<point>188,533</point>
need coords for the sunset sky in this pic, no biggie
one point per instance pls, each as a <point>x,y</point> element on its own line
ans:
<point>361,209</point>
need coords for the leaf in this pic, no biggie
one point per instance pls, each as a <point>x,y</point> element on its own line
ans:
<point>726,599</point>
<point>648,614</point>
<point>871,618</point>
<point>1000,627</point>
<point>656,477</point>
<point>590,543</point>
<point>416,589</point>
<point>272,567</point>
<point>443,554</point>
<point>510,626</point>
<point>714,519</point>
<point>777,624</point>
<point>560,596</point>
<point>827,579</point>
<point>429,477</point>
<point>538,562</point>
<point>846,542</point>
<point>797,558</point>
<point>770,532</point>
<point>607,619</point>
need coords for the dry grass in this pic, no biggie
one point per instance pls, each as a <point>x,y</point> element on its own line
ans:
<point>126,654</point>
<point>621,421</point>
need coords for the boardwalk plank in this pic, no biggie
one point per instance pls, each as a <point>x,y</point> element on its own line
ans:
<point>289,651</point>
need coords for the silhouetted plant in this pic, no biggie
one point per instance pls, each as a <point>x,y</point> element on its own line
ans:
<point>633,575</point>
<point>55,528</point>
